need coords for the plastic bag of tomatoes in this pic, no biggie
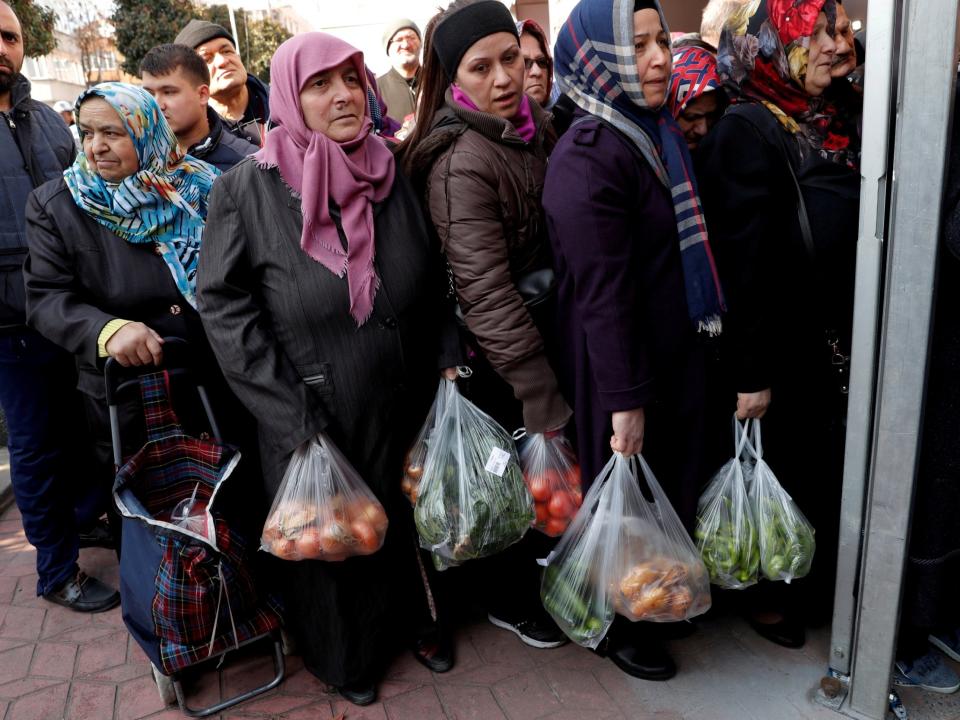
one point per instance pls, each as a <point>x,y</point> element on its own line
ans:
<point>417,455</point>
<point>552,475</point>
<point>323,510</point>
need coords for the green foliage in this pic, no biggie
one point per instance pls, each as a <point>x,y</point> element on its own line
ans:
<point>142,25</point>
<point>37,22</point>
<point>258,38</point>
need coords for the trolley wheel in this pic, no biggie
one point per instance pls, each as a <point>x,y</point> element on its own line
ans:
<point>287,642</point>
<point>164,686</point>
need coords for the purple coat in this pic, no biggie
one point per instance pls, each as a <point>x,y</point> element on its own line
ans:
<point>625,336</point>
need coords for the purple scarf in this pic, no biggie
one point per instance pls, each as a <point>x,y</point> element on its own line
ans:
<point>354,174</point>
<point>522,122</point>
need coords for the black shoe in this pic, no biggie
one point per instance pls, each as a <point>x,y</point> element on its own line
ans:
<point>359,693</point>
<point>538,632</point>
<point>97,536</point>
<point>433,653</point>
<point>647,661</point>
<point>788,632</point>
<point>84,594</point>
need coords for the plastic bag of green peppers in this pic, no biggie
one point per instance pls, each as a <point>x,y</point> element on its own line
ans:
<point>726,531</point>
<point>472,501</point>
<point>786,536</point>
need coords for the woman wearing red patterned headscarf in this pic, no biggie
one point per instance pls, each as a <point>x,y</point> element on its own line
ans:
<point>782,195</point>
<point>696,97</point>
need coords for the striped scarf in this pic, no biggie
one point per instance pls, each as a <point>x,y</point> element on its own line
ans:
<point>596,67</point>
<point>164,202</point>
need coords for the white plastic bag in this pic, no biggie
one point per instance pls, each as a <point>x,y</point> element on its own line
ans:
<point>323,510</point>
<point>726,530</point>
<point>623,554</point>
<point>786,537</point>
<point>472,501</point>
<point>552,475</point>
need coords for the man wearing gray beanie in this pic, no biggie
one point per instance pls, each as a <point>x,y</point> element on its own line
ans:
<point>241,100</point>
<point>401,41</point>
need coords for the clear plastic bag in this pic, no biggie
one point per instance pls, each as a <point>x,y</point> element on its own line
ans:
<point>661,577</point>
<point>552,475</point>
<point>417,455</point>
<point>786,537</point>
<point>623,554</point>
<point>323,510</point>
<point>726,530</point>
<point>472,501</point>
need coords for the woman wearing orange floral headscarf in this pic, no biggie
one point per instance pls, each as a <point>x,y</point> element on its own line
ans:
<point>781,194</point>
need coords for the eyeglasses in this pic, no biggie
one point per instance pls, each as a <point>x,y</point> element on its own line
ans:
<point>541,63</point>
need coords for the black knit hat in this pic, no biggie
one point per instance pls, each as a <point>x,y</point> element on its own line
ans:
<point>456,33</point>
<point>197,32</point>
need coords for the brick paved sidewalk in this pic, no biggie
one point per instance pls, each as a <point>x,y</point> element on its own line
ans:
<point>56,664</point>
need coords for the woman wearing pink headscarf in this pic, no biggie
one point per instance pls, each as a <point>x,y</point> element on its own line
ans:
<point>322,297</point>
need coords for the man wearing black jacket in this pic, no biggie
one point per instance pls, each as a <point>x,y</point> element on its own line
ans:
<point>179,80</point>
<point>37,378</point>
<point>240,99</point>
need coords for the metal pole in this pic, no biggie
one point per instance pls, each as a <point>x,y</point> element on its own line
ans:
<point>926,82</point>
<point>233,27</point>
<point>878,108</point>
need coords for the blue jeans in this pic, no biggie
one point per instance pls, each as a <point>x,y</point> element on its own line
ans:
<point>48,444</point>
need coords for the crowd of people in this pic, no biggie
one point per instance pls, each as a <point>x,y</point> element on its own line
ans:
<point>628,237</point>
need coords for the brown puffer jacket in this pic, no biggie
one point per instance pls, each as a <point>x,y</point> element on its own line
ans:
<point>483,185</point>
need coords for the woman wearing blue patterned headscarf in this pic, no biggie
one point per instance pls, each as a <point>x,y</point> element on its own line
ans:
<point>164,201</point>
<point>114,245</point>
<point>636,276</point>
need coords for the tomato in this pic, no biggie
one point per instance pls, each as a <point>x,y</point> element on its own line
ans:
<point>572,477</point>
<point>373,513</point>
<point>367,538</point>
<point>332,538</point>
<point>542,513</point>
<point>539,487</point>
<point>284,549</point>
<point>556,526</point>
<point>308,544</point>
<point>561,505</point>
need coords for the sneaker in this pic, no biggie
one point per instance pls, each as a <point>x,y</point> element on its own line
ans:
<point>948,642</point>
<point>539,632</point>
<point>929,672</point>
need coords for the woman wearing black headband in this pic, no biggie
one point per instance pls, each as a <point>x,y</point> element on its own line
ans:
<point>478,155</point>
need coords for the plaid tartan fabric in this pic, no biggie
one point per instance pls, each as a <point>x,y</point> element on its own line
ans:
<point>596,66</point>
<point>198,590</point>
<point>203,589</point>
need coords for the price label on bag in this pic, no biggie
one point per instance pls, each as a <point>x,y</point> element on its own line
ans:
<point>497,462</point>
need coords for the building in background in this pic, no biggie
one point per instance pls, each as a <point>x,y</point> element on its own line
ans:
<point>59,75</point>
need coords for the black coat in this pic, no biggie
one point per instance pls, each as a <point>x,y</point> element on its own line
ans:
<point>280,325</point>
<point>79,276</point>
<point>35,146</point>
<point>781,301</point>
<point>221,148</point>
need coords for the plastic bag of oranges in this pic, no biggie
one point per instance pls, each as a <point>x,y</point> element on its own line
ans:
<point>552,475</point>
<point>323,510</point>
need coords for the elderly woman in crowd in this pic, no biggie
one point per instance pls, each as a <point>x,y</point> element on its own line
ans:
<point>782,193</point>
<point>478,152</point>
<point>321,292</point>
<point>695,97</point>
<point>538,78</point>
<point>636,276</point>
<point>112,268</point>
